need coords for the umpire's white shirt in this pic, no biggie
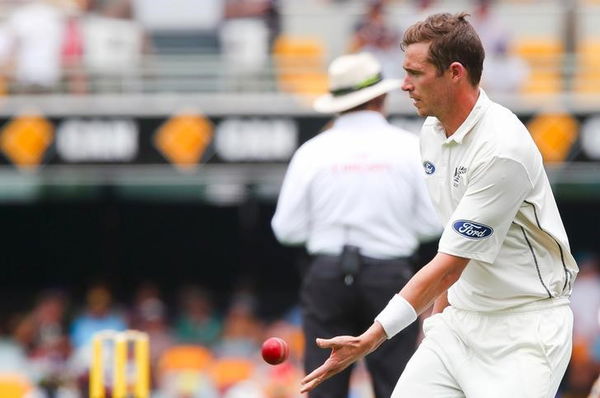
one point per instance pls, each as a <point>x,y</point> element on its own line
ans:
<point>489,185</point>
<point>359,183</point>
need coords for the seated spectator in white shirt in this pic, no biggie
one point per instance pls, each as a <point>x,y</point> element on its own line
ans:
<point>37,30</point>
<point>113,45</point>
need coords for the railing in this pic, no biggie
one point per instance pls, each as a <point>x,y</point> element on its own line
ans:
<point>159,73</point>
<point>165,73</point>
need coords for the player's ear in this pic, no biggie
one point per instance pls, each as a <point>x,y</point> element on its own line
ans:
<point>457,71</point>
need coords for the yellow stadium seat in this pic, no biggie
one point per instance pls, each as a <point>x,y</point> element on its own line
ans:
<point>300,64</point>
<point>14,385</point>
<point>185,357</point>
<point>544,55</point>
<point>587,71</point>
<point>226,372</point>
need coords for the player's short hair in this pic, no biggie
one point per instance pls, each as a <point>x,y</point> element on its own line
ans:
<point>452,39</point>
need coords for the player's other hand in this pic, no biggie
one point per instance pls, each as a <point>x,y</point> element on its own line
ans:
<point>345,350</point>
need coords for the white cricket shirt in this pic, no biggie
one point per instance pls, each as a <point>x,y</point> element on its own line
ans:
<point>358,183</point>
<point>488,183</point>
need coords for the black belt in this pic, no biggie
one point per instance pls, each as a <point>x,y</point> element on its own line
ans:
<point>371,260</point>
<point>351,259</point>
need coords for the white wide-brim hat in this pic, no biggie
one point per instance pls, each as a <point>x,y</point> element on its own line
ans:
<point>353,80</point>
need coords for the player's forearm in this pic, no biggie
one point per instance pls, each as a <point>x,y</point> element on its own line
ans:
<point>418,294</point>
<point>440,303</point>
<point>433,280</point>
<point>373,337</point>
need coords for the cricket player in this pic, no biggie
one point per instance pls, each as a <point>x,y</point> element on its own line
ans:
<point>355,196</point>
<point>501,281</point>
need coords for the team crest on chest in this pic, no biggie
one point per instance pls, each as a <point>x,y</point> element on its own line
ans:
<point>429,167</point>
<point>458,173</point>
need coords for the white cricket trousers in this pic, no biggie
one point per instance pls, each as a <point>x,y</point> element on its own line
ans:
<point>490,355</point>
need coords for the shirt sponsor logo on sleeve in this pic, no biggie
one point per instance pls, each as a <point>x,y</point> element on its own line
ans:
<point>429,167</point>
<point>472,230</point>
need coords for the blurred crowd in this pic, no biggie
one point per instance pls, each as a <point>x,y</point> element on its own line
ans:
<point>81,46</point>
<point>64,45</point>
<point>198,349</point>
<point>504,72</point>
<point>202,349</point>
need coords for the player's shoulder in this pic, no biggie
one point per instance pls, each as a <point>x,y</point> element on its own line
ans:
<point>507,135</point>
<point>502,116</point>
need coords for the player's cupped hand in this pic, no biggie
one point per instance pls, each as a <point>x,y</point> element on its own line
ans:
<point>345,350</point>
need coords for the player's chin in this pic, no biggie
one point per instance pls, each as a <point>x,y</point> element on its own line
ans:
<point>421,111</point>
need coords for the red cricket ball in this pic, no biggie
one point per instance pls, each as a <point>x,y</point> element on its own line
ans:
<point>275,350</point>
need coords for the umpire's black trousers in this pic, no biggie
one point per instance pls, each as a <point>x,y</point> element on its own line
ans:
<point>331,307</point>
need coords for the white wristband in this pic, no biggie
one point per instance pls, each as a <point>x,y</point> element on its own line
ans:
<point>397,315</point>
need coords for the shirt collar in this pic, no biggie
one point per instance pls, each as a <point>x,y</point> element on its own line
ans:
<point>353,119</point>
<point>482,104</point>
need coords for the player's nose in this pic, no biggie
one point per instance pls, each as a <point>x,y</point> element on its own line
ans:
<point>406,84</point>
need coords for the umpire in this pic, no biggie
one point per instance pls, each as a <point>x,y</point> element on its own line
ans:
<point>355,196</point>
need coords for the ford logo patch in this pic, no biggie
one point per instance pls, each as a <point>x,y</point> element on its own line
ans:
<point>471,229</point>
<point>429,167</point>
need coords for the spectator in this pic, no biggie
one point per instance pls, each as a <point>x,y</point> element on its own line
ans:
<point>150,316</point>
<point>146,291</point>
<point>266,11</point>
<point>241,335</point>
<point>37,29</point>
<point>373,35</point>
<point>51,348</point>
<point>49,316</point>
<point>198,323</point>
<point>246,37</point>
<point>503,72</point>
<point>422,9</point>
<point>491,31</point>
<point>114,45</point>
<point>72,53</point>
<point>15,337</point>
<point>98,315</point>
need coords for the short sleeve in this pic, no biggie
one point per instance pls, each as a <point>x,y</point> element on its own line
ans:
<point>479,225</point>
